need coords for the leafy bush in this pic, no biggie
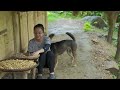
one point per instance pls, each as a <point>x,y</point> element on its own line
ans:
<point>87,27</point>
<point>90,13</point>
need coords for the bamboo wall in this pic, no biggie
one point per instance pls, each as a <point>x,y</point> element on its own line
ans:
<point>6,34</point>
<point>16,29</point>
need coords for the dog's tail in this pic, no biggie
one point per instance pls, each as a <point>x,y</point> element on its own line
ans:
<point>51,36</point>
<point>69,34</point>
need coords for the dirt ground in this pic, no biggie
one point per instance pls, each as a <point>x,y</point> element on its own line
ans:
<point>90,56</point>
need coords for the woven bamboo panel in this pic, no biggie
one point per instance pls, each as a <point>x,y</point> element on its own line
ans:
<point>24,31</point>
<point>30,24</point>
<point>6,34</point>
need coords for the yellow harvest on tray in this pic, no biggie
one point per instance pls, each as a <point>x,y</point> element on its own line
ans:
<point>16,64</point>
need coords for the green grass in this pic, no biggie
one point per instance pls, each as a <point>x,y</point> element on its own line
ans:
<point>52,17</point>
<point>55,16</point>
<point>114,76</point>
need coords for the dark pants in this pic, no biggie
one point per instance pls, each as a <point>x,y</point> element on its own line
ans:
<point>46,60</point>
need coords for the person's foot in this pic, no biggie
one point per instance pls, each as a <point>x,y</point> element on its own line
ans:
<point>52,76</point>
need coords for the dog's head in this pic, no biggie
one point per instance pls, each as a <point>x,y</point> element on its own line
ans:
<point>51,36</point>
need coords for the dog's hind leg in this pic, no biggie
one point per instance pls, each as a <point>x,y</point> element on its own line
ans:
<point>74,58</point>
<point>69,51</point>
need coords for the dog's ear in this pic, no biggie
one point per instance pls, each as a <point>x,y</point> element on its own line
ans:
<point>51,36</point>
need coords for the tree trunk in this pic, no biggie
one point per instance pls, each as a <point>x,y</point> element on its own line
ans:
<point>117,56</point>
<point>111,22</point>
<point>75,13</point>
<point>112,17</point>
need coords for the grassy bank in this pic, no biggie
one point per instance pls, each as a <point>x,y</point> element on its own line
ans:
<point>53,16</point>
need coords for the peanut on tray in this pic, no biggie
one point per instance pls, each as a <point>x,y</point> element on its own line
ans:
<point>16,64</point>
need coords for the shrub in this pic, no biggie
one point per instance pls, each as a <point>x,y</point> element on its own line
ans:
<point>87,26</point>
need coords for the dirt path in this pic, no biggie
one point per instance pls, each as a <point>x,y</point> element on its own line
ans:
<point>86,68</point>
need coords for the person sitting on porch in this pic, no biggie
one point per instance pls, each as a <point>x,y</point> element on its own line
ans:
<point>40,44</point>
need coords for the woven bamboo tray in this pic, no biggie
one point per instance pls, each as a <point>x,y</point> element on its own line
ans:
<point>18,70</point>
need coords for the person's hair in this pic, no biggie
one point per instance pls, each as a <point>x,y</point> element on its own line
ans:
<point>39,26</point>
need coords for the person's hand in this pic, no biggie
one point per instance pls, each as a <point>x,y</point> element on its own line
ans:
<point>35,53</point>
<point>41,50</point>
<point>38,52</point>
<point>33,57</point>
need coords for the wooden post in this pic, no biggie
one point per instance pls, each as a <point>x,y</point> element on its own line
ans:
<point>16,32</point>
<point>30,25</point>
<point>23,31</point>
<point>24,75</point>
<point>46,23</point>
<point>2,74</point>
<point>33,71</point>
<point>14,75</point>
